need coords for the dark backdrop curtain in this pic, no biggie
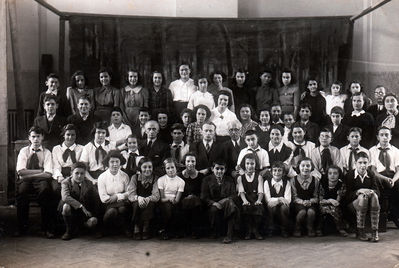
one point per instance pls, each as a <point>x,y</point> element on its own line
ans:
<point>319,47</point>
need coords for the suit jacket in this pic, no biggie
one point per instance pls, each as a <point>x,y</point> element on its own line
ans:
<point>230,154</point>
<point>83,127</point>
<point>136,131</point>
<point>373,109</point>
<point>340,136</point>
<point>204,159</point>
<point>157,153</point>
<point>312,131</point>
<point>211,191</point>
<point>366,123</point>
<point>353,184</point>
<point>52,130</point>
<point>72,194</point>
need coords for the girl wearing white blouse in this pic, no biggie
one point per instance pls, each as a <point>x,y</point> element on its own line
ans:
<point>113,190</point>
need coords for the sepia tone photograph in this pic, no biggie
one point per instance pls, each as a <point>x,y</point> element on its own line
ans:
<point>212,133</point>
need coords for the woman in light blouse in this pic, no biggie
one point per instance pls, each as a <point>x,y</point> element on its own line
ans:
<point>113,191</point>
<point>143,193</point>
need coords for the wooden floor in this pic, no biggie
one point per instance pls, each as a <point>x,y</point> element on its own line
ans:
<point>118,251</point>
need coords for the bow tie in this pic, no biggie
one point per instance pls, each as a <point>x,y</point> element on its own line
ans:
<point>69,153</point>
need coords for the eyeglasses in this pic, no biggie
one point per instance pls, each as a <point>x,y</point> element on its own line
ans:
<point>234,129</point>
<point>381,93</point>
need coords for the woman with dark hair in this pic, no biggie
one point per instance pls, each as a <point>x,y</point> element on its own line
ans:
<point>217,77</point>
<point>144,194</point>
<point>221,115</point>
<point>390,119</point>
<point>191,202</point>
<point>106,97</point>
<point>159,96</point>
<point>113,191</point>
<point>78,88</point>
<point>133,97</point>
<point>242,94</point>
<point>194,132</point>
<point>266,92</point>
<point>289,93</point>
<point>246,115</point>
<point>316,101</point>
<point>355,87</point>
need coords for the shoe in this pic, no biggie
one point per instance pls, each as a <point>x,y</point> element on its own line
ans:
<point>319,233</point>
<point>66,236</point>
<point>164,235</point>
<point>258,236</point>
<point>98,234</point>
<point>145,236</point>
<point>284,234</point>
<point>50,235</point>
<point>247,236</point>
<point>374,236</point>
<point>297,233</point>
<point>227,240</point>
<point>311,233</point>
<point>128,233</point>
<point>343,233</point>
<point>361,235</point>
<point>136,236</point>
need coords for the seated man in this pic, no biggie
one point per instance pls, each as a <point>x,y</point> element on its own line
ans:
<point>51,123</point>
<point>34,168</point>
<point>74,193</point>
<point>218,192</point>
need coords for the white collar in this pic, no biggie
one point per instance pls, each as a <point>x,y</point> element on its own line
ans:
<point>122,126</point>
<point>274,182</point>
<point>299,144</point>
<point>50,117</point>
<point>84,117</point>
<point>207,142</point>
<point>274,148</point>
<point>53,92</point>
<point>98,145</point>
<point>250,178</point>
<point>357,113</point>
<point>180,144</point>
<point>72,147</point>
<point>40,148</point>
<point>361,177</point>
<point>388,147</point>
<point>256,149</point>
<point>135,152</point>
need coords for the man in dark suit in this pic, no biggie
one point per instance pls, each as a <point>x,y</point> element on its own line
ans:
<point>83,120</point>
<point>154,148</point>
<point>207,150</point>
<point>378,108</point>
<point>51,123</point>
<point>233,147</point>
<point>338,130</point>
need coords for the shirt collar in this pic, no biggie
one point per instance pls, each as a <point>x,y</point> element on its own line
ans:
<point>50,117</point>
<point>256,149</point>
<point>361,177</point>
<point>98,145</point>
<point>122,126</point>
<point>299,144</point>
<point>40,148</point>
<point>358,113</point>
<point>274,182</point>
<point>388,147</point>
<point>209,142</point>
<point>135,152</point>
<point>72,147</point>
<point>251,177</point>
<point>274,148</point>
<point>53,92</point>
<point>180,144</point>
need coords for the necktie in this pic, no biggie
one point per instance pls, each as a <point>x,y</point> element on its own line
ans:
<point>100,154</point>
<point>149,145</point>
<point>384,158</point>
<point>325,159</point>
<point>33,162</point>
<point>207,147</point>
<point>176,151</point>
<point>68,153</point>
<point>256,156</point>
<point>352,155</point>
<point>299,150</point>
<point>131,162</point>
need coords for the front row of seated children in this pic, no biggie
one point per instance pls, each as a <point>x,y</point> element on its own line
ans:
<point>258,192</point>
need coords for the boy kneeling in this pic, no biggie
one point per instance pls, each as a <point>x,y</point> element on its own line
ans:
<point>362,196</point>
<point>74,195</point>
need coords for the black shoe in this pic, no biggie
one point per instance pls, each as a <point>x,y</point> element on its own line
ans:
<point>66,236</point>
<point>137,236</point>
<point>227,240</point>
<point>145,236</point>
<point>361,235</point>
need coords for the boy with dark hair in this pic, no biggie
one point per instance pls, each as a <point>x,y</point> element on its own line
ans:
<point>34,169</point>
<point>311,129</point>
<point>218,192</point>
<point>339,131</point>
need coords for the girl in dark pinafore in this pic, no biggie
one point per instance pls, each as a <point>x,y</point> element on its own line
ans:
<point>250,189</point>
<point>305,193</point>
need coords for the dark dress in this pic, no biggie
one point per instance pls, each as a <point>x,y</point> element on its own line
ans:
<point>106,97</point>
<point>318,104</point>
<point>251,194</point>
<point>304,194</point>
<point>366,123</point>
<point>191,187</point>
